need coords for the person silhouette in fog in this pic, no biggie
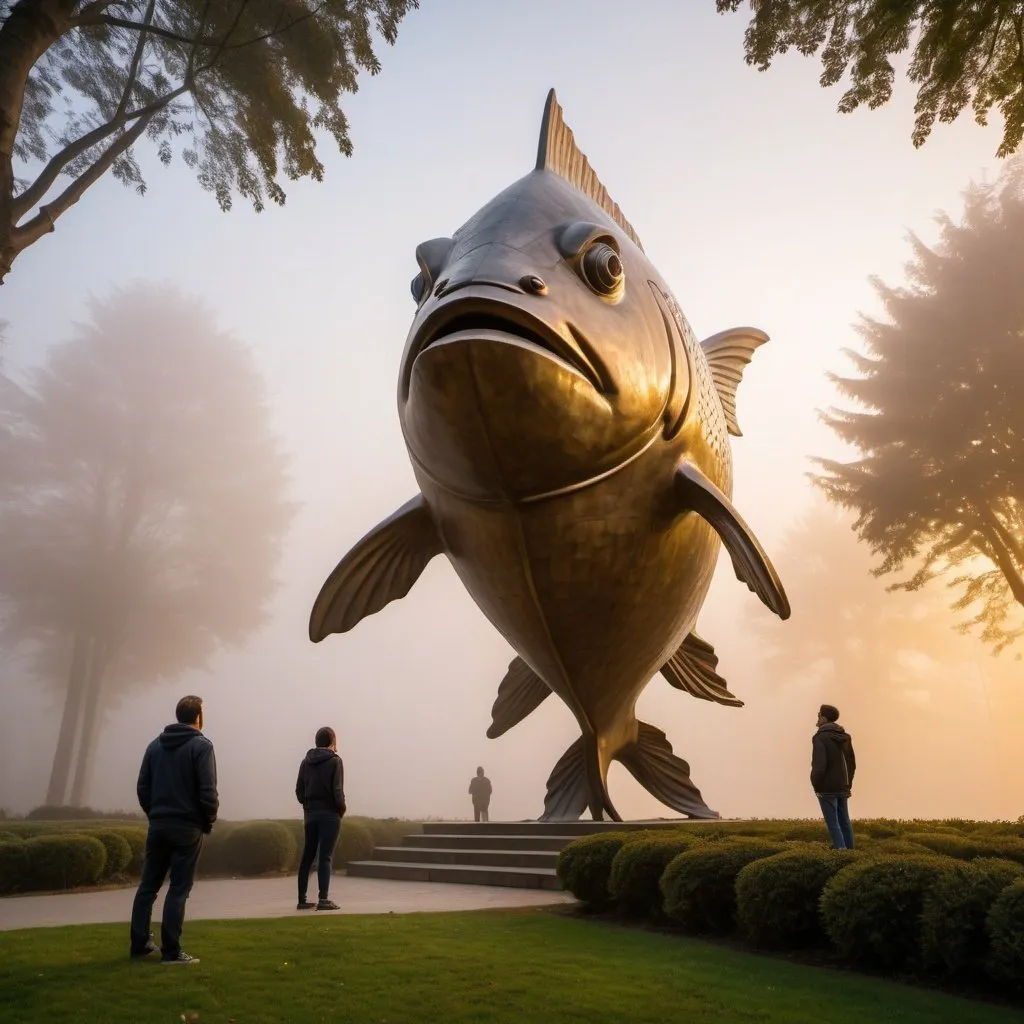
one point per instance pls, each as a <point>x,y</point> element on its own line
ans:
<point>320,788</point>
<point>833,765</point>
<point>480,791</point>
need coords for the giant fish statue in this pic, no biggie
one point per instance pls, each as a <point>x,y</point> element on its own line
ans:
<point>570,440</point>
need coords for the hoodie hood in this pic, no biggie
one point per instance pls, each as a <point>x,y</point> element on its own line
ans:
<point>177,735</point>
<point>317,755</point>
<point>833,731</point>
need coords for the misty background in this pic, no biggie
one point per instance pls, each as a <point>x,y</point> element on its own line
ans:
<point>760,205</point>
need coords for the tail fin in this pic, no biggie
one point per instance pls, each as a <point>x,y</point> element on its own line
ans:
<point>577,782</point>
<point>651,762</point>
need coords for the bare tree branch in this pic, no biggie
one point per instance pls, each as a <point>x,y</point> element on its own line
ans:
<point>133,71</point>
<point>44,221</point>
<point>51,172</point>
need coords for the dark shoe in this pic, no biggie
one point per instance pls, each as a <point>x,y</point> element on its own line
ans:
<point>327,905</point>
<point>181,958</point>
<point>147,950</point>
<point>305,905</point>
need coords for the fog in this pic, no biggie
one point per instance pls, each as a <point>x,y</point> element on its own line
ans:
<point>759,204</point>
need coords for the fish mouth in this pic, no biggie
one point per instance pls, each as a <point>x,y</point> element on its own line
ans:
<point>469,320</point>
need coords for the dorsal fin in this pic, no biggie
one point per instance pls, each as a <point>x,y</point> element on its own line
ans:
<point>559,153</point>
<point>728,354</point>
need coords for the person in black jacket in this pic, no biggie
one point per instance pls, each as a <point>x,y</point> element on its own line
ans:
<point>832,768</point>
<point>320,788</point>
<point>177,790</point>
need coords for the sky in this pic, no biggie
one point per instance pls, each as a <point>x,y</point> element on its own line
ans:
<point>758,203</point>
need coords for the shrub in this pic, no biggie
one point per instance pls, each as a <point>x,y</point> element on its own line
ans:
<point>777,897</point>
<point>806,831</point>
<point>214,857</point>
<point>969,847</point>
<point>354,843</point>
<point>953,936</point>
<point>64,861</point>
<point>699,886</point>
<point>136,839</point>
<point>9,837</point>
<point>871,910</point>
<point>893,848</point>
<point>13,866</point>
<point>1005,927</point>
<point>258,848</point>
<point>46,813</point>
<point>585,866</point>
<point>119,853</point>
<point>637,867</point>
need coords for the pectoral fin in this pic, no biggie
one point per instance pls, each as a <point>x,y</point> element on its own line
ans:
<point>692,668</point>
<point>381,568</point>
<point>697,493</point>
<point>520,692</point>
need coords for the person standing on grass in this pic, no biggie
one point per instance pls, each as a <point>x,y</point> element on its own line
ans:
<point>832,767</point>
<point>177,791</point>
<point>480,791</point>
<point>320,789</point>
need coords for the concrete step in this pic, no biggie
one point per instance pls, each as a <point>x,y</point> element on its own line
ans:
<point>516,878</point>
<point>547,828</point>
<point>474,858</point>
<point>488,842</point>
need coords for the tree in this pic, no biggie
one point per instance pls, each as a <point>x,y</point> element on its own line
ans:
<point>963,53</point>
<point>144,511</point>
<point>239,87</point>
<point>867,642</point>
<point>940,481</point>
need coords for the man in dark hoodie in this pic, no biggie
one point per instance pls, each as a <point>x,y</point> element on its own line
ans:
<point>320,788</point>
<point>832,767</point>
<point>177,790</point>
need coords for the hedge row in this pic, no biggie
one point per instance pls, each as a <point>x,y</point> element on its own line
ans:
<point>902,904</point>
<point>47,856</point>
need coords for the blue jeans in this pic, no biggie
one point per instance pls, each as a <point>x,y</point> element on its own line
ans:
<point>170,848</point>
<point>837,818</point>
<point>321,836</point>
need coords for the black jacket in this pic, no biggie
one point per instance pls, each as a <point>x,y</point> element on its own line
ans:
<point>321,782</point>
<point>480,790</point>
<point>832,761</point>
<point>178,778</point>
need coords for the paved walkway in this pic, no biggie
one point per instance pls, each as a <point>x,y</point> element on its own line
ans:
<point>270,897</point>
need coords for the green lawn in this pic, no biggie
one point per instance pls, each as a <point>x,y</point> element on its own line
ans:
<point>518,966</point>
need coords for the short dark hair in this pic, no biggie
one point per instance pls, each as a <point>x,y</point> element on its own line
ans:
<point>189,709</point>
<point>829,712</point>
<point>325,737</point>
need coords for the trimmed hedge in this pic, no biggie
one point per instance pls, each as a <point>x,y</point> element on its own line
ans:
<point>634,882</point>
<point>699,886</point>
<point>64,861</point>
<point>13,866</point>
<point>135,837</point>
<point>1005,928</point>
<point>259,848</point>
<point>969,847</point>
<point>119,853</point>
<point>777,897</point>
<point>871,910</point>
<point>585,866</point>
<point>355,842</point>
<point>956,907</point>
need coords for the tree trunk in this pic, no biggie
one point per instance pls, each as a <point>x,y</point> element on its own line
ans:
<point>29,30</point>
<point>57,790</point>
<point>93,691</point>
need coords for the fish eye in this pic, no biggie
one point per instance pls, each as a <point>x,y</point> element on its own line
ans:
<point>418,287</point>
<point>601,267</point>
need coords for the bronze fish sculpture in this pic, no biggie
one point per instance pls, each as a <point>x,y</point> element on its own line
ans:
<point>570,439</point>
